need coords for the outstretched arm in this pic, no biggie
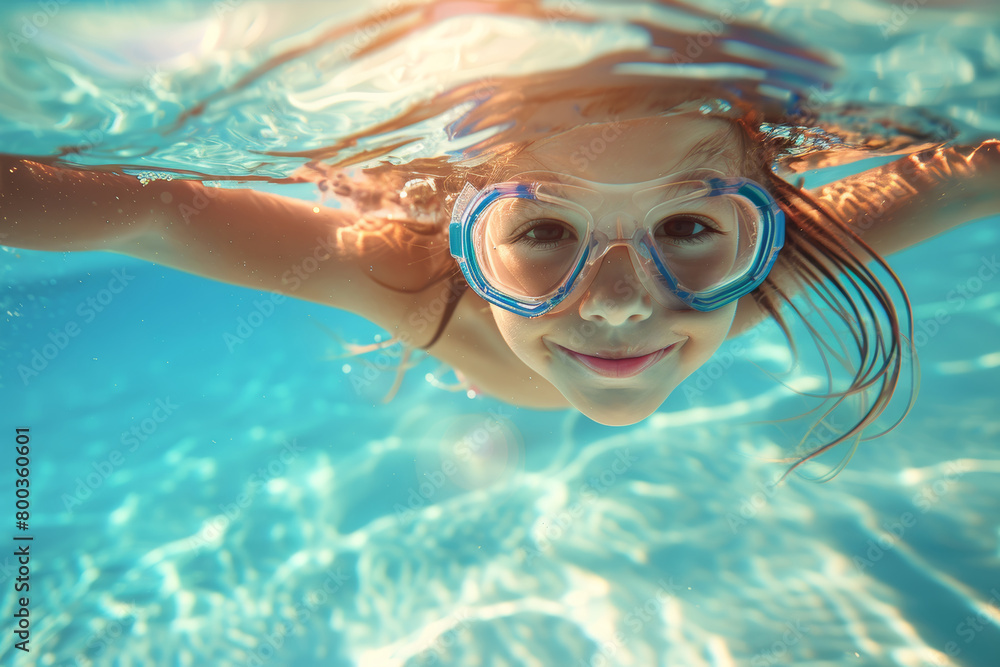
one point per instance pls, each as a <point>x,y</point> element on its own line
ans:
<point>244,237</point>
<point>917,197</point>
<point>903,203</point>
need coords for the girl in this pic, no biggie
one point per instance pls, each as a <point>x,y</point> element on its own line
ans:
<point>607,261</point>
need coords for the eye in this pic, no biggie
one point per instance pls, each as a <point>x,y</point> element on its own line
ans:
<point>686,228</point>
<point>546,231</point>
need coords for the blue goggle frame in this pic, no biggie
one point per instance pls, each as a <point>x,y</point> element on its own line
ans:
<point>472,203</point>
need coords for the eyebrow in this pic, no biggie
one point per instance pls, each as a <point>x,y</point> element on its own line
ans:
<point>715,145</point>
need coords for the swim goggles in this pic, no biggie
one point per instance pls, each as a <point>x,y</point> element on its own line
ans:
<point>698,240</point>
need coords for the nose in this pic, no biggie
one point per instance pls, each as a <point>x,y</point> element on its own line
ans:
<point>616,295</point>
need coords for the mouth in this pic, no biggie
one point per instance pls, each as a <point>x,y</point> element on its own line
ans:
<point>622,367</point>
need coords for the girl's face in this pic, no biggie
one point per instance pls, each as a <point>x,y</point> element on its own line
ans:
<point>614,317</point>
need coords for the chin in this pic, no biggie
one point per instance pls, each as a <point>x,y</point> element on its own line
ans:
<point>617,412</point>
<point>616,419</point>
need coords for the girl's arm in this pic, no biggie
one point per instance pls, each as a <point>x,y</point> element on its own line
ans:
<point>908,201</point>
<point>905,202</point>
<point>244,237</point>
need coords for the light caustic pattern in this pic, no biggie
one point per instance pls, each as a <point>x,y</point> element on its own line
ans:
<point>311,528</point>
<point>648,546</point>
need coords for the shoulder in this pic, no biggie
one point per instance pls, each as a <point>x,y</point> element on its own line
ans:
<point>472,344</point>
<point>399,274</point>
<point>410,291</point>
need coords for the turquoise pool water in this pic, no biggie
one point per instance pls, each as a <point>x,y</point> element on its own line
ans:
<point>198,501</point>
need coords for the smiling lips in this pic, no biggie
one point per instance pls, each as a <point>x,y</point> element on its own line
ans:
<point>620,368</point>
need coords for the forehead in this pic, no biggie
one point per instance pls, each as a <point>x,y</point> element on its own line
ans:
<point>637,150</point>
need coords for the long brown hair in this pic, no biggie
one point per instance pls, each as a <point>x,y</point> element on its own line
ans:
<point>826,260</point>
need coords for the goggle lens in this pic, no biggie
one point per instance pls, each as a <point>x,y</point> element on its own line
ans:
<point>695,240</point>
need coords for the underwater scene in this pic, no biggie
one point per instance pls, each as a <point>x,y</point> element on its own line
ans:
<point>203,473</point>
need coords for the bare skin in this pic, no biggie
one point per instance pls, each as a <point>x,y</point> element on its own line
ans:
<point>604,320</point>
<point>257,240</point>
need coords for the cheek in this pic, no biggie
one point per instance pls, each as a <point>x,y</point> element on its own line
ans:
<point>706,333</point>
<point>523,335</point>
